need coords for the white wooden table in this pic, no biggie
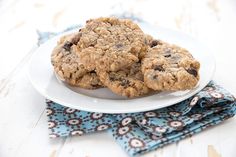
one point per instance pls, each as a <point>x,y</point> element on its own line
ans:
<point>23,122</point>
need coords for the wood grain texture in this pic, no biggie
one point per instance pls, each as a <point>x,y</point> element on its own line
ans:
<point>23,121</point>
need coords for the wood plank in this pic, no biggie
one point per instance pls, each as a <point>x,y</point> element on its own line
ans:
<point>23,121</point>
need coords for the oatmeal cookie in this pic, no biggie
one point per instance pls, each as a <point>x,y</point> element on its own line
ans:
<point>111,44</point>
<point>126,82</point>
<point>168,67</point>
<point>148,40</point>
<point>68,67</point>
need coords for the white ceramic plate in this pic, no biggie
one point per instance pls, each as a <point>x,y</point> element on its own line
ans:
<point>103,100</point>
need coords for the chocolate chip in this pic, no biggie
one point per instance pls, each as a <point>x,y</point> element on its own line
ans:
<point>192,72</point>
<point>167,55</point>
<point>67,46</point>
<point>155,43</point>
<point>159,68</point>
<point>112,78</point>
<point>125,83</point>
<point>93,71</point>
<point>95,85</point>
<point>154,77</point>
<point>80,30</point>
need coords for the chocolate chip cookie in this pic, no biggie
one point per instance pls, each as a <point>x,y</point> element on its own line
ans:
<point>125,82</point>
<point>68,67</point>
<point>168,67</point>
<point>111,44</point>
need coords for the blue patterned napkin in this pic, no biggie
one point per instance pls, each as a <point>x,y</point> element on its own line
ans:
<point>138,133</point>
<point>141,132</point>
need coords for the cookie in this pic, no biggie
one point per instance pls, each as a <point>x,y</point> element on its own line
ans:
<point>168,67</point>
<point>148,40</point>
<point>126,82</point>
<point>111,44</point>
<point>68,67</point>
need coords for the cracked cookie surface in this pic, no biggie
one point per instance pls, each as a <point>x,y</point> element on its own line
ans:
<point>126,82</point>
<point>168,67</point>
<point>111,44</point>
<point>68,67</point>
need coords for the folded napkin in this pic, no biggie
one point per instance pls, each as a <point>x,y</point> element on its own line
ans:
<point>141,132</point>
<point>138,133</point>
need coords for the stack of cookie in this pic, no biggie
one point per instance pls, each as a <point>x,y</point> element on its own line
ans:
<point>117,54</point>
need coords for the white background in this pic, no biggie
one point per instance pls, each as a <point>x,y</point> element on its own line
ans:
<point>23,123</point>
